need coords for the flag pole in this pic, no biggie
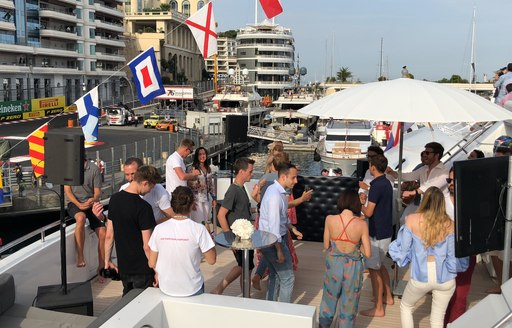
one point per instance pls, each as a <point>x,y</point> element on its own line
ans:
<point>215,72</point>
<point>255,12</point>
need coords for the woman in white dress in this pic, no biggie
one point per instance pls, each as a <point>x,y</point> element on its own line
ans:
<point>204,187</point>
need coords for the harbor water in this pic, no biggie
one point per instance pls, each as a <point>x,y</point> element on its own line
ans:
<point>303,160</point>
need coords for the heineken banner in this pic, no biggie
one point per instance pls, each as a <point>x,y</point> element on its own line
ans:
<point>14,107</point>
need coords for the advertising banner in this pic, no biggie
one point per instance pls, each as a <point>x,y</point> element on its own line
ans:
<point>37,114</point>
<point>58,102</point>
<point>177,93</point>
<point>14,107</point>
<point>8,118</point>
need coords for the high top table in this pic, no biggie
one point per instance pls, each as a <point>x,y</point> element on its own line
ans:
<point>259,239</point>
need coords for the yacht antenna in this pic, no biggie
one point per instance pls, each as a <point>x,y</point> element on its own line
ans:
<point>380,63</point>
<point>472,69</point>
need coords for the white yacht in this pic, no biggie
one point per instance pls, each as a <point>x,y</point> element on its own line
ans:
<point>344,143</point>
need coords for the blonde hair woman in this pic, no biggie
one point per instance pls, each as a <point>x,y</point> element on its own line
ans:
<point>427,241</point>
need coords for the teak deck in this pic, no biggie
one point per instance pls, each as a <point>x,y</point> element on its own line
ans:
<point>308,286</point>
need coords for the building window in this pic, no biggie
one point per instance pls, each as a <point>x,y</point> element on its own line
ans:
<point>200,4</point>
<point>92,49</point>
<point>174,5</point>
<point>91,17</point>
<point>93,66</point>
<point>92,33</point>
<point>185,8</point>
<point>80,48</point>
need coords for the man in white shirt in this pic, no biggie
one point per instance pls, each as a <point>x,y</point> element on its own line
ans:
<point>274,219</point>
<point>158,197</point>
<point>175,170</point>
<point>433,173</point>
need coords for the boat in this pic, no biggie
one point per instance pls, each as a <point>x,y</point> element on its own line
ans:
<point>232,100</point>
<point>344,142</point>
<point>38,265</point>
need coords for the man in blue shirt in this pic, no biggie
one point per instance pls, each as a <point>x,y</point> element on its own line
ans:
<point>274,219</point>
<point>379,211</point>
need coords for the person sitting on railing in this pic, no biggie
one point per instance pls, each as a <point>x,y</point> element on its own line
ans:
<point>81,199</point>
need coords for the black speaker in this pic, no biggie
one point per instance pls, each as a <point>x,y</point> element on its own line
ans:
<point>64,156</point>
<point>362,166</point>
<point>236,129</point>
<point>78,300</point>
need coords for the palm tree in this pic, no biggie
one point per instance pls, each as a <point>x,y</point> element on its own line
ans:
<point>344,74</point>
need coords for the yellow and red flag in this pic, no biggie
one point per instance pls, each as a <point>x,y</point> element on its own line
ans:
<point>36,149</point>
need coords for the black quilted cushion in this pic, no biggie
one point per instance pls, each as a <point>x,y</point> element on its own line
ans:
<point>326,191</point>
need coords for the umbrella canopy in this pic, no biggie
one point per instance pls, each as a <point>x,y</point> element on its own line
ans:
<point>407,100</point>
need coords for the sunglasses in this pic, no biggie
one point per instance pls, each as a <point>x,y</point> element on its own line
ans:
<point>449,180</point>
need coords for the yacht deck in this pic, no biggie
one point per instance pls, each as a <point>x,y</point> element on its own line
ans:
<point>308,286</point>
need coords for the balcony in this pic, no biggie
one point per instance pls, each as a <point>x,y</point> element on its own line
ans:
<point>272,70</point>
<point>110,41</point>
<point>55,70</point>
<point>108,10</point>
<point>156,15</point>
<point>57,14</point>
<point>7,26</point>
<point>110,57</point>
<point>58,33</point>
<point>70,2</point>
<point>109,26</point>
<point>7,4</point>
<point>273,85</point>
<point>56,52</point>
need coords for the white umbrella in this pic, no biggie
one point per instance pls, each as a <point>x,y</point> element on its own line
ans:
<point>407,100</point>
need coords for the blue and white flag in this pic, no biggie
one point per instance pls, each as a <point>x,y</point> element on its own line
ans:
<point>88,113</point>
<point>146,76</point>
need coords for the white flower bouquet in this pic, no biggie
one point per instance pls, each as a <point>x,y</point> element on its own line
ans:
<point>242,228</point>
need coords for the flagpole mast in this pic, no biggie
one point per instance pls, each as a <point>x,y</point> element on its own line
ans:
<point>215,70</point>
<point>255,12</point>
<point>472,68</point>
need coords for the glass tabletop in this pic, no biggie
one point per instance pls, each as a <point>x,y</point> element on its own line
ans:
<point>259,239</point>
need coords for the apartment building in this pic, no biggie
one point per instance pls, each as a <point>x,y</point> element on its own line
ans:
<point>61,48</point>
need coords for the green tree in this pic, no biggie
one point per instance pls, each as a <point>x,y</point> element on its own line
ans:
<point>330,79</point>
<point>165,6</point>
<point>382,78</point>
<point>228,34</point>
<point>454,79</point>
<point>343,74</point>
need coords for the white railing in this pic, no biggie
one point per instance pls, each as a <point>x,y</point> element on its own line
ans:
<point>270,134</point>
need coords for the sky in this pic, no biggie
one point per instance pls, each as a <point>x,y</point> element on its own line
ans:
<point>431,37</point>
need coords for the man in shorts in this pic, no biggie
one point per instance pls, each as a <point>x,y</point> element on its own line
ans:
<point>379,211</point>
<point>236,205</point>
<point>81,198</point>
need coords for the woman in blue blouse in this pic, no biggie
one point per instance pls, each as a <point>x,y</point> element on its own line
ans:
<point>427,241</point>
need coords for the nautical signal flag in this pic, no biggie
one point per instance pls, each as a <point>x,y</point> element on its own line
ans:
<point>146,76</point>
<point>88,113</point>
<point>36,149</point>
<point>394,136</point>
<point>271,8</point>
<point>202,26</point>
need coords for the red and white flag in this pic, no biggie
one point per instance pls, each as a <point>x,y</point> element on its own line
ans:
<point>202,26</point>
<point>271,8</point>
